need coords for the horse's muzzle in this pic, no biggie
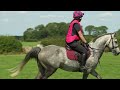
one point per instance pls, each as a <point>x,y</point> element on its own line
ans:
<point>118,53</point>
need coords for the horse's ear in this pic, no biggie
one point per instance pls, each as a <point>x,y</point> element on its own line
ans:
<point>114,34</point>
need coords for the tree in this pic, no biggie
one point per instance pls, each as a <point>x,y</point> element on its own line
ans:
<point>89,29</point>
<point>99,30</point>
<point>40,32</point>
<point>52,28</point>
<point>28,33</point>
<point>39,27</point>
<point>118,32</point>
<point>62,27</point>
<point>103,29</point>
<point>118,36</point>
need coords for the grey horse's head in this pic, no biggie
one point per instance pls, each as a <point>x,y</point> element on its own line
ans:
<point>112,43</point>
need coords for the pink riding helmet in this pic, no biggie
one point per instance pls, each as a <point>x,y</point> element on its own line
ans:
<point>78,14</point>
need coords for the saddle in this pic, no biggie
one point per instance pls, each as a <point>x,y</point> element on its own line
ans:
<point>73,55</point>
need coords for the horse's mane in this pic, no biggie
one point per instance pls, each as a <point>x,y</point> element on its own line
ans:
<point>100,36</point>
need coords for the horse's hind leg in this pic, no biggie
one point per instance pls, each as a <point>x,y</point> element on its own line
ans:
<point>41,72</point>
<point>94,73</point>
<point>44,73</point>
<point>50,71</point>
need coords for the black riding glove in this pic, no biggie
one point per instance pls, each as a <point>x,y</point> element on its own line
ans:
<point>87,45</point>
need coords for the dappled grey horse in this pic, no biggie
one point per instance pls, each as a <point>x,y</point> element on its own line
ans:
<point>52,57</point>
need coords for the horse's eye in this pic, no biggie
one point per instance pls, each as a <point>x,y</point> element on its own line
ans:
<point>116,42</point>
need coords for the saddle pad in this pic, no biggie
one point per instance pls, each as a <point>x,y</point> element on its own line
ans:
<point>72,55</point>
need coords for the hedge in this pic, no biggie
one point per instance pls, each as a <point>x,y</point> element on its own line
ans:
<point>9,44</point>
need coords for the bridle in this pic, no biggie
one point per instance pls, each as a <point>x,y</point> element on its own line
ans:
<point>113,47</point>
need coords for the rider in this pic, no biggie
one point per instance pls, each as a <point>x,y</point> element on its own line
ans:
<point>74,35</point>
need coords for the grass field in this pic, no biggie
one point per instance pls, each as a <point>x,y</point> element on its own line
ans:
<point>30,44</point>
<point>108,69</point>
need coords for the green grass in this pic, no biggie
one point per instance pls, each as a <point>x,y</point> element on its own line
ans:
<point>108,69</point>
<point>10,61</point>
<point>30,44</point>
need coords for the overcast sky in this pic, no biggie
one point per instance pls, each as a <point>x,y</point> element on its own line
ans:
<point>16,22</point>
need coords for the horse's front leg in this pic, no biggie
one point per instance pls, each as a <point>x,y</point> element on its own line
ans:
<point>94,73</point>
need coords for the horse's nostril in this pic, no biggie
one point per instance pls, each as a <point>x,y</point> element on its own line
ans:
<point>118,53</point>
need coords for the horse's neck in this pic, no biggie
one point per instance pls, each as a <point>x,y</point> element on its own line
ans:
<point>100,45</point>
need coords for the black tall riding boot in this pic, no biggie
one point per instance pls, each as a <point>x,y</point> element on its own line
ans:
<point>83,61</point>
<point>79,58</point>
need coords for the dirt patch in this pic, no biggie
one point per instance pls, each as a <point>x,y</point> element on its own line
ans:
<point>26,49</point>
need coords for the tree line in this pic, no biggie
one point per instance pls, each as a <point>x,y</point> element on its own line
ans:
<point>52,33</point>
<point>58,29</point>
<point>41,31</point>
<point>95,31</point>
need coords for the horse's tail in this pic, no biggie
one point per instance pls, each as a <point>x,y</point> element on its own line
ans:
<point>33,53</point>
